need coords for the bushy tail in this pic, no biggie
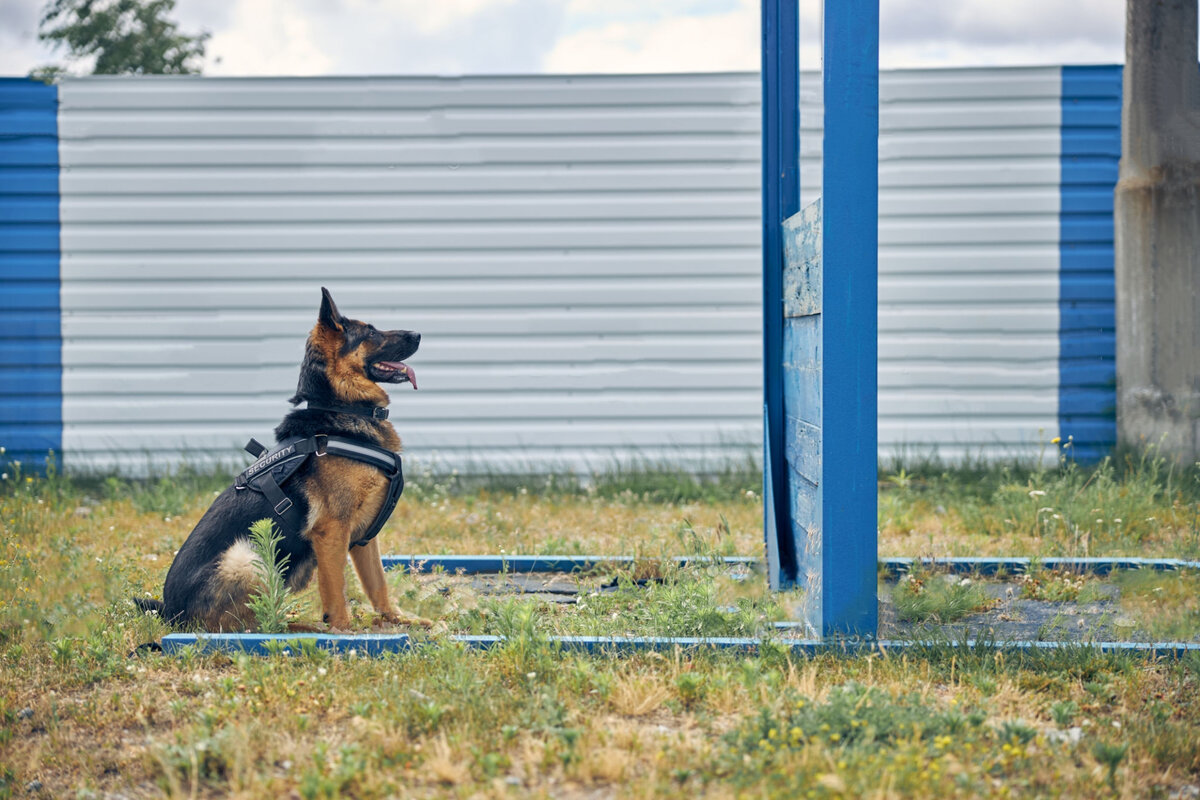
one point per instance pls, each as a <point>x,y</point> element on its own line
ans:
<point>149,605</point>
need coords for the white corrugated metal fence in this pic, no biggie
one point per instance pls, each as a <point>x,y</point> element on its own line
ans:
<point>580,254</point>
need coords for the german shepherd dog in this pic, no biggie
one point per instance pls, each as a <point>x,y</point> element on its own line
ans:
<point>214,574</point>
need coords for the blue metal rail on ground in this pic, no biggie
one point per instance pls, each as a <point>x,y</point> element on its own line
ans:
<point>525,564</point>
<point>382,643</point>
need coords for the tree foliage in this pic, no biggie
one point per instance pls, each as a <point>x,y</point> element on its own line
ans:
<point>124,37</point>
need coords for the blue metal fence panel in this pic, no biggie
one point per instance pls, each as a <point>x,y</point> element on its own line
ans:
<point>30,320</point>
<point>1091,151</point>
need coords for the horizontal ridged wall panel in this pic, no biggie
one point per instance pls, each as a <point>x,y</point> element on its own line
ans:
<point>580,253</point>
<point>1091,153</point>
<point>968,257</point>
<point>30,327</point>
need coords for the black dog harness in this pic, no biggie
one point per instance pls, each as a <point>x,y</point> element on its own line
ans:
<point>275,466</point>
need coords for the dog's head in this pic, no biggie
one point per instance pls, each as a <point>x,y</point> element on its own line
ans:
<point>345,360</point>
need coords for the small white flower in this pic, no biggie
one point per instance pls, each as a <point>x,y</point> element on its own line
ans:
<point>1037,493</point>
<point>1117,520</point>
<point>3,476</point>
<point>166,519</point>
<point>321,670</point>
<point>531,675</point>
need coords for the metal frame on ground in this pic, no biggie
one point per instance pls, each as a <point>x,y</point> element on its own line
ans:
<point>383,643</point>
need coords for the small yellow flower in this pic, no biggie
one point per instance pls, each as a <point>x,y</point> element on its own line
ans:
<point>1056,440</point>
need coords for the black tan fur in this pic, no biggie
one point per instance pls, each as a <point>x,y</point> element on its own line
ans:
<point>214,575</point>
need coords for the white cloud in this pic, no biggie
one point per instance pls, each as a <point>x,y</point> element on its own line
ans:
<point>267,37</point>
<point>713,42</point>
<point>425,16</point>
<point>374,37</point>
<point>422,37</point>
<point>919,33</point>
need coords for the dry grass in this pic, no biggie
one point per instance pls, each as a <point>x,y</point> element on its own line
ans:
<point>80,718</point>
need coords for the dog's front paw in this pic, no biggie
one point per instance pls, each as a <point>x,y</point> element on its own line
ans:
<point>395,617</point>
<point>338,623</point>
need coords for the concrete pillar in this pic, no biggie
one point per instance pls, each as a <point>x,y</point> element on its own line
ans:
<point>1157,208</point>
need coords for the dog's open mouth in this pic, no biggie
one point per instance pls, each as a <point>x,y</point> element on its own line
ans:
<point>394,372</point>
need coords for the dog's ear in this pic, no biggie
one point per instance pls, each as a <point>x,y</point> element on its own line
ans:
<point>329,316</point>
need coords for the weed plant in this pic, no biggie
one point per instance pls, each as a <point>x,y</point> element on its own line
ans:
<point>923,596</point>
<point>272,604</point>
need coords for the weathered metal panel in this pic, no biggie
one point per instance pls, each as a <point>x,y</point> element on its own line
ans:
<point>581,254</point>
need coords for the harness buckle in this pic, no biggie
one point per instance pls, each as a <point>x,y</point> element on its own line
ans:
<point>379,413</point>
<point>283,506</point>
<point>322,442</point>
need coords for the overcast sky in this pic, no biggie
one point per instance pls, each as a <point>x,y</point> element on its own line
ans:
<point>449,37</point>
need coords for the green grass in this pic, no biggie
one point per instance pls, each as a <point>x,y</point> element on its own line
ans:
<point>82,718</point>
<point>1059,586</point>
<point>922,596</point>
<point>1133,503</point>
<point>1167,603</point>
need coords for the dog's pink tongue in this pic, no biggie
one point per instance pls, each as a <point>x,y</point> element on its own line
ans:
<point>404,370</point>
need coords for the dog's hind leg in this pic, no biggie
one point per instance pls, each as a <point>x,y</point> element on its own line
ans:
<point>369,567</point>
<point>234,580</point>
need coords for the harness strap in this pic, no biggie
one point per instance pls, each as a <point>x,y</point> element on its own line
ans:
<point>282,504</point>
<point>279,464</point>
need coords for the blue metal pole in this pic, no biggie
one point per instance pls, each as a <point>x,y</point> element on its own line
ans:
<point>850,197</point>
<point>780,200</point>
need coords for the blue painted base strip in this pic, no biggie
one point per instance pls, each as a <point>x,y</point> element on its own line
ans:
<point>30,314</point>
<point>486,564</point>
<point>380,644</point>
<point>1091,151</point>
